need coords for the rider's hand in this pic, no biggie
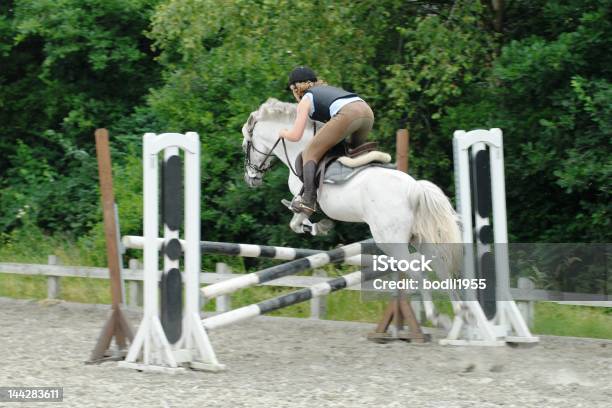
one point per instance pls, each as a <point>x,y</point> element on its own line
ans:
<point>283,133</point>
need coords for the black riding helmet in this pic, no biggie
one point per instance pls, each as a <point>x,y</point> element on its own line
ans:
<point>301,74</point>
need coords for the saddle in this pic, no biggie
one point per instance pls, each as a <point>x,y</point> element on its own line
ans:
<point>342,162</point>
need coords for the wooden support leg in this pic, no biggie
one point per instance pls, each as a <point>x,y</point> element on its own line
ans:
<point>399,311</point>
<point>118,328</point>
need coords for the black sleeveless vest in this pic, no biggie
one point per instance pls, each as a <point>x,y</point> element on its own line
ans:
<point>323,97</point>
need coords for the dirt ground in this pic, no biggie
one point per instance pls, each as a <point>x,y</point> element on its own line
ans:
<point>282,362</point>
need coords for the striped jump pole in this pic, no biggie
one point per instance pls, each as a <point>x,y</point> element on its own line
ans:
<point>299,296</point>
<point>244,250</point>
<point>278,271</point>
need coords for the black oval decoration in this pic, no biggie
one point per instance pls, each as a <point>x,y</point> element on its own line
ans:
<point>487,296</point>
<point>172,192</point>
<point>485,235</point>
<point>171,315</point>
<point>483,183</point>
<point>173,249</point>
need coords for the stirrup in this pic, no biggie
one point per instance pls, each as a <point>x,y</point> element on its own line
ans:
<point>298,206</point>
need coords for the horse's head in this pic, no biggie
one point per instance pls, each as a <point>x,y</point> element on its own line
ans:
<point>258,157</point>
<point>260,137</point>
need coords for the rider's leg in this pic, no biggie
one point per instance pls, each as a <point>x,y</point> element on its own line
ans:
<point>360,136</point>
<point>354,118</point>
<point>328,136</point>
<point>309,196</point>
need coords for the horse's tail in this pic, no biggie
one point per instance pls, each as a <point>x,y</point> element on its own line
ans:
<point>436,224</point>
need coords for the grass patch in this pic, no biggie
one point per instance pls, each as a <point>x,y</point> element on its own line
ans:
<point>31,245</point>
<point>80,290</point>
<point>578,321</point>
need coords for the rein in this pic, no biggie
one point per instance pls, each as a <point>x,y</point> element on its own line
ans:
<point>262,168</point>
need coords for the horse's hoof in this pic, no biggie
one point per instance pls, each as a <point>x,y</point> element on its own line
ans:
<point>324,226</point>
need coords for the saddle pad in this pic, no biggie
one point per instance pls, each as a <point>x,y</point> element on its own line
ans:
<point>338,173</point>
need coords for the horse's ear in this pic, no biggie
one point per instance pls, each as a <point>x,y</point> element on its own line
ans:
<point>245,131</point>
<point>247,128</point>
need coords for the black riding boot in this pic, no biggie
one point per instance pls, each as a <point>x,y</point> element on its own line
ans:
<point>306,203</point>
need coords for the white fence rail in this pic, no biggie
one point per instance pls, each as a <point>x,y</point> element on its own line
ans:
<point>525,295</point>
<point>134,278</point>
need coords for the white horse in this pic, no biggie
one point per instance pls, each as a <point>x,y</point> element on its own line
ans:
<point>396,207</point>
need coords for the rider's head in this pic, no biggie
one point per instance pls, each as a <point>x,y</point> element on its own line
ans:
<point>301,79</point>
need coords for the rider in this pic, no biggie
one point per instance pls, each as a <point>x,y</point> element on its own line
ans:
<point>344,113</point>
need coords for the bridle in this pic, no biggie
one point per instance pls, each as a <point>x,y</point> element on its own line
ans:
<point>262,168</point>
<point>265,164</point>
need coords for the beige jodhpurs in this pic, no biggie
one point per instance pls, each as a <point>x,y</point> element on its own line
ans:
<point>354,120</point>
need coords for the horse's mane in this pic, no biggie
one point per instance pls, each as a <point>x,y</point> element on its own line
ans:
<point>269,110</point>
<point>273,108</point>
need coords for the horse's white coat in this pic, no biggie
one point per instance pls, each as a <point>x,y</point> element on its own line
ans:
<point>397,208</point>
<point>387,200</point>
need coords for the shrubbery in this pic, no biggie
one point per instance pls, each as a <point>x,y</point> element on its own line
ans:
<point>542,75</point>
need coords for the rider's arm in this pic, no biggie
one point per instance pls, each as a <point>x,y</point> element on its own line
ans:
<point>295,133</point>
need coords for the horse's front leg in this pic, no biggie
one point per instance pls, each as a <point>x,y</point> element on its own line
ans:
<point>301,224</point>
<point>297,223</point>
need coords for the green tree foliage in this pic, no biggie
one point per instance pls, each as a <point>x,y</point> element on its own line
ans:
<point>68,66</point>
<point>549,91</point>
<point>224,59</point>
<point>537,69</point>
<point>443,55</point>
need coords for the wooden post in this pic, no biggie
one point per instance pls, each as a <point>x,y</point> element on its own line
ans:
<point>526,307</point>
<point>399,309</point>
<point>402,149</point>
<point>53,282</point>
<point>135,287</point>
<point>117,325</point>
<point>318,305</point>
<point>223,303</point>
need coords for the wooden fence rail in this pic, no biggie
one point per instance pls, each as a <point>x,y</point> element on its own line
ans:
<point>134,278</point>
<point>525,294</point>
